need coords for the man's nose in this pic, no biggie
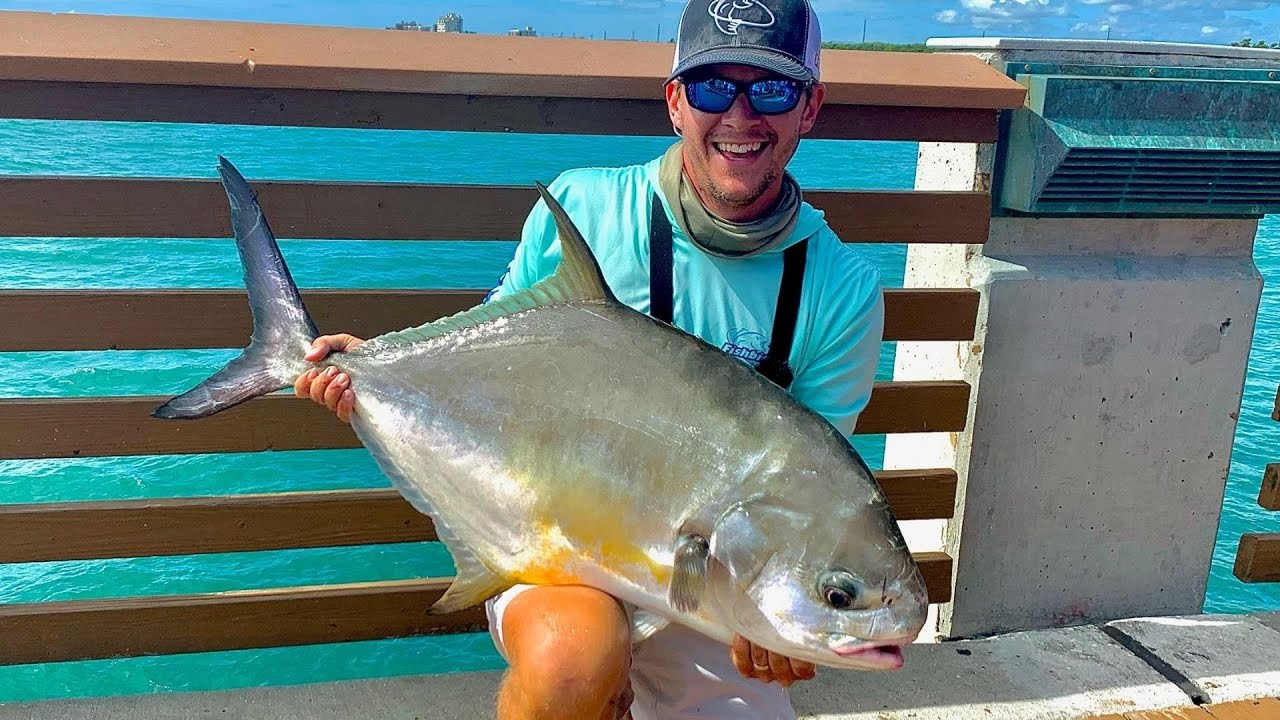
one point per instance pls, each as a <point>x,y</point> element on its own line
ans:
<point>740,113</point>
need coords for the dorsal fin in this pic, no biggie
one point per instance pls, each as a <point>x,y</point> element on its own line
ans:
<point>577,278</point>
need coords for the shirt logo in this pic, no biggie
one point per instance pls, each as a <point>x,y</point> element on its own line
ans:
<point>746,345</point>
<point>733,14</point>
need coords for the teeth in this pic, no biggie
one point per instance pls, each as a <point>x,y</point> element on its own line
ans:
<point>740,147</point>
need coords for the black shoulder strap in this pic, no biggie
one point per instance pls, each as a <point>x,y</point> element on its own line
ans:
<point>777,364</point>
<point>661,291</point>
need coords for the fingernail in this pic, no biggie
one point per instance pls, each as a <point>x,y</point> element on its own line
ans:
<point>331,371</point>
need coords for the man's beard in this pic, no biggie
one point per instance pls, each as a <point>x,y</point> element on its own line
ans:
<point>740,201</point>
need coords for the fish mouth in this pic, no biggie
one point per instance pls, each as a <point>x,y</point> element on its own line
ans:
<point>883,655</point>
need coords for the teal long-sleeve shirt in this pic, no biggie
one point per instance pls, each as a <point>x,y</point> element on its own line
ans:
<point>728,302</point>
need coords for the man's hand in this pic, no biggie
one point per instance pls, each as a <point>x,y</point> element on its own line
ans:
<point>756,662</point>
<point>330,387</point>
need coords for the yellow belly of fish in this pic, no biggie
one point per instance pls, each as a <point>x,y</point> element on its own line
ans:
<point>559,560</point>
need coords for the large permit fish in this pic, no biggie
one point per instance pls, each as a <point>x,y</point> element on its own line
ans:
<point>557,436</point>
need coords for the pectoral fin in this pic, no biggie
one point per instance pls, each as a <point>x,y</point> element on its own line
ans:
<point>689,576</point>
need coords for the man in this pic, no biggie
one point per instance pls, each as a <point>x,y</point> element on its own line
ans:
<point>714,237</point>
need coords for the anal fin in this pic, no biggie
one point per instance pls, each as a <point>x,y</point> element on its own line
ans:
<point>470,588</point>
<point>645,624</point>
<point>473,582</point>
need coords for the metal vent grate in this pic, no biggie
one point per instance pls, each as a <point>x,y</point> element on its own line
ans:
<point>1160,175</point>
<point>1106,140</point>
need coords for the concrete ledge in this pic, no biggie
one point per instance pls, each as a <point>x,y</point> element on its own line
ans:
<point>1038,675</point>
<point>1226,657</point>
<point>1271,620</point>
<point>1062,674</point>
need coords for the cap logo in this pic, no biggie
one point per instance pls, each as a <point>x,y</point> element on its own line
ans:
<point>733,14</point>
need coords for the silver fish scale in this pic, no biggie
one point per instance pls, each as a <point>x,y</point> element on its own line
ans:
<point>504,432</point>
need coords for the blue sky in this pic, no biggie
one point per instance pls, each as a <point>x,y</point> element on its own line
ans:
<point>1211,21</point>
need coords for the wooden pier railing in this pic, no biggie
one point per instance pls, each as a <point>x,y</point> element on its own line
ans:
<point>78,67</point>
<point>1258,554</point>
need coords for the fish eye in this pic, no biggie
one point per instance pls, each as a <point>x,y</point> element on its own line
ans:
<point>839,589</point>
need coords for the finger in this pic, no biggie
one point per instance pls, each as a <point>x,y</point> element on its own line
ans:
<point>319,349</point>
<point>321,383</point>
<point>781,666</point>
<point>333,393</point>
<point>741,655</point>
<point>760,663</point>
<point>804,670</point>
<point>346,406</point>
<point>302,387</point>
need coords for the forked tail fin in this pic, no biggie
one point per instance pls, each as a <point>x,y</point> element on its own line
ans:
<point>282,329</point>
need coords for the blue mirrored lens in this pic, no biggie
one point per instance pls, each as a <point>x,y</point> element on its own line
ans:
<point>768,97</point>
<point>713,96</point>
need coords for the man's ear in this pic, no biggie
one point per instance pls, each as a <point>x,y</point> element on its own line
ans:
<point>675,100</point>
<point>811,108</point>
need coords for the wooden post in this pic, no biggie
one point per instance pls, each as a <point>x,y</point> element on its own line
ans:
<point>1269,498</point>
<point>1258,558</point>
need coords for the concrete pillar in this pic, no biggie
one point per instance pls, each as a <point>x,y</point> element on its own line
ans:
<point>1107,372</point>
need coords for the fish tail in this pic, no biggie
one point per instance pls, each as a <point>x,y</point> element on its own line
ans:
<point>282,329</point>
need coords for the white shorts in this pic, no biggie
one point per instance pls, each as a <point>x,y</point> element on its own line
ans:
<point>679,674</point>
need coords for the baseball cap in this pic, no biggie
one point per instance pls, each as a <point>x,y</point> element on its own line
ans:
<point>781,36</point>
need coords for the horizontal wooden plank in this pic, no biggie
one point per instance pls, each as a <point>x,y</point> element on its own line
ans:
<point>917,406</point>
<point>131,627</point>
<point>121,426</point>
<point>937,568</point>
<point>187,526</point>
<point>1258,558</point>
<point>156,207</point>
<point>161,319</point>
<point>158,319</point>
<point>1269,497</point>
<point>26,99</point>
<point>920,494</point>
<point>92,629</point>
<point>922,314</point>
<point>84,48</point>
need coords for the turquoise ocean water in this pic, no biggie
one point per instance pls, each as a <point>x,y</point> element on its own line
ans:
<point>40,148</point>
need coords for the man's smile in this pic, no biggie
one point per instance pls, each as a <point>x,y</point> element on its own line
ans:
<point>740,150</point>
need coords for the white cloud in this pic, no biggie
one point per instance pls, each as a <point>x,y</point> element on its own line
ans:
<point>1180,20</point>
<point>1012,13</point>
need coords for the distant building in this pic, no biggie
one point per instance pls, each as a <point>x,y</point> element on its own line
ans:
<point>449,22</point>
<point>526,31</point>
<point>412,25</point>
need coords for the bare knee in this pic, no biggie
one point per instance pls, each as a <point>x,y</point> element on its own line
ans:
<point>569,651</point>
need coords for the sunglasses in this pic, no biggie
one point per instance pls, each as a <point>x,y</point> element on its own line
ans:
<point>770,96</point>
